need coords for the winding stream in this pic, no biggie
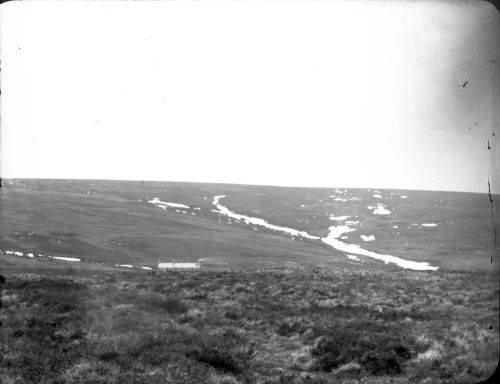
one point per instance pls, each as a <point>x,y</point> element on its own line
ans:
<point>332,239</point>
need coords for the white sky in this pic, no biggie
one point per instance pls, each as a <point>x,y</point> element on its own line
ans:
<point>318,93</point>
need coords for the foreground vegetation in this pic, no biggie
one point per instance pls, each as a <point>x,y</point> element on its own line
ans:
<point>315,326</point>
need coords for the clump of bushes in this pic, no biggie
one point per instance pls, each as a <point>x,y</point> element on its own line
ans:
<point>138,330</point>
<point>286,328</point>
<point>221,359</point>
<point>226,353</point>
<point>232,315</point>
<point>382,362</point>
<point>382,355</point>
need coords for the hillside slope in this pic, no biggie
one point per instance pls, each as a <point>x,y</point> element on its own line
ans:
<point>115,222</point>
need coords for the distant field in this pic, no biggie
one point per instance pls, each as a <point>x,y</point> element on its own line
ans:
<point>111,222</point>
<point>314,326</point>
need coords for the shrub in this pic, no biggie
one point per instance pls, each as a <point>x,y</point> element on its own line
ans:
<point>402,351</point>
<point>327,354</point>
<point>220,359</point>
<point>225,353</point>
<point>385,362</point>
<point>232,315</point>
<point>378,354</point>
<point>286,329</point>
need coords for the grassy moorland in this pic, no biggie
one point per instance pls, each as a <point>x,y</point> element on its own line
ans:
<point>250,326</point>
<point>111,222</point>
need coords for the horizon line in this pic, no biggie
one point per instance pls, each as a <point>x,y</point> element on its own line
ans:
<point>243,184</point>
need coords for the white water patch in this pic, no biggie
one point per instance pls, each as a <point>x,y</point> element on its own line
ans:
<point>352,222</point>
<point>331,240</point>
<point>353,257</point>
<point>339,218</point>
<point>302,206</point>
<point>337,231</point>
<point>380,209</point>
<point>259,222</point>
<point>429,225</point>
<point>164,204</point>
<point>124,265</point>
<point>377,196</point>
<point>64,258</point>
<point>394,226</point>
<point>147,268</point>
<point>404,197</point>
<point>17,253</point>
<point>367,238</point>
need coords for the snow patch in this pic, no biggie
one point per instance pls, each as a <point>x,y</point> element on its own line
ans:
<point>352,222</point>
<point>332,239</point>
<point>429,225</point>
<point>165,204</point>
<point>367,238</point>
<point>64,258</point>
<point>337,231</point>
<point>380,209</point>
<point>257,221</point>
<point>339,218</point>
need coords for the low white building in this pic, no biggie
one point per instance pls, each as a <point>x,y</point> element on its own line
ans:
<point>174,265</point>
